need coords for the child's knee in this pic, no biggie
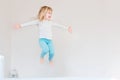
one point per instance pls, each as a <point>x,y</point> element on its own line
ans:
<point>45,51</point>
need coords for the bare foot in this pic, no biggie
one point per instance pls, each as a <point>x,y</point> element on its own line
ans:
<point>51,63</point>
<point>41,60</point>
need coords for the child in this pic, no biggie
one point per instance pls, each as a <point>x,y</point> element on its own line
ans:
<point>45,33</point>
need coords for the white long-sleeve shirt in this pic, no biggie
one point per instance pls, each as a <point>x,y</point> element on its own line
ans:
<point>45,27</point>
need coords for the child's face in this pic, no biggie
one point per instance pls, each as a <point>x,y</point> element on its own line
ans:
<point>48,15</point>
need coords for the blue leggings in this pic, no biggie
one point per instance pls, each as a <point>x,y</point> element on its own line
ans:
<point>47,46</point>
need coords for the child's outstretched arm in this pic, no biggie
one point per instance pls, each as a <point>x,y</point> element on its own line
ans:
<point>35,22</point>
<point>69,28</point>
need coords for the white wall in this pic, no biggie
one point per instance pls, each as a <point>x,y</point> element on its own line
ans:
<point>5,32</point>
<point>112,21</point>
<point>91,51</point>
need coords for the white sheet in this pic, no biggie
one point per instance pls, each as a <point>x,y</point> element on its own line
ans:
<point>59,78</point>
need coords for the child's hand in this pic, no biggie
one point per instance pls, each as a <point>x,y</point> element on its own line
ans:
<point>17,26</point>
<point>70,29</point>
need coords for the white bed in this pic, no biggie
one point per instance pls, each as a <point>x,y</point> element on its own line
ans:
<point>48,78</point>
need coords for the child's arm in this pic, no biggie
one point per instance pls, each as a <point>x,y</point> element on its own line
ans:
<point>62,26</point>
<point>35,22</point>
<point>59,25</point>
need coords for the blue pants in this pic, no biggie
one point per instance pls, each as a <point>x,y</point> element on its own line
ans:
<point>47,47</point>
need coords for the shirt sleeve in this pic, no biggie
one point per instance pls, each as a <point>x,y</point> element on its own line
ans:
<point>59,25</point>
<point>34,22</point>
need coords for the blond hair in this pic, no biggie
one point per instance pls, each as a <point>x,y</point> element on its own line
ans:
<point>42,12</point>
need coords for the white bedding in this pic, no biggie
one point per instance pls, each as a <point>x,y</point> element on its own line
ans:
<point>59,78</point>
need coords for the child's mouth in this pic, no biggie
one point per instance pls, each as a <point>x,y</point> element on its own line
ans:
<point>49,16</point>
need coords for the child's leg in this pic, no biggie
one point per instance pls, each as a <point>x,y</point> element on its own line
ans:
<point>44,47</point>
<point>51,50</point>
